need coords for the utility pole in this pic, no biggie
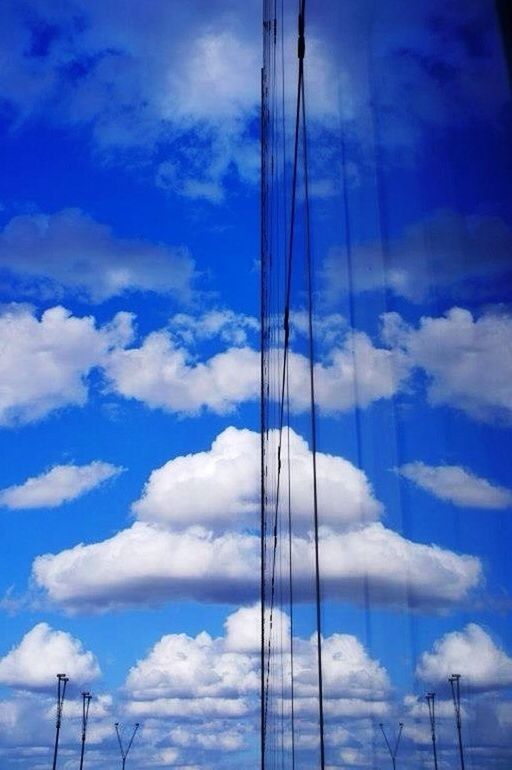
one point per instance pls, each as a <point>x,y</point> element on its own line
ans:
<point>86,700</point>
<point>124,753</point>
<point>393,751</point>
<point>62,681</point>
<point>454,680</point>
<point>430,698</point>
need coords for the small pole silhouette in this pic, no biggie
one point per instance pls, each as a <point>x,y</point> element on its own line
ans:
<point>86,700</point>
<point>393,751</point>
<point>62,681</point>
<point>430,698</point>
<point>124,753</point>
<point>454,680</point>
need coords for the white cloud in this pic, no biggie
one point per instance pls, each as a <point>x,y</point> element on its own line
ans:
<point>354,374</point>
<point>45,362</point>
<point>165,376</point>
<point>226,325</point>
<point>221,487</point>
<point>447,251</point>
<point>348,671</point>
<point>243,629</point>
<point>186,80</point>
<point>208,674</point>
<point>468,361</point>
<point>41,655</point>
<point>184,667</point>
<point>58,485</point>
<point>148,565</point>
<point>69,251</point>
<point>473,654</point>
<point>459,486</point>
<point>27,720</point>
<point>212,701</point>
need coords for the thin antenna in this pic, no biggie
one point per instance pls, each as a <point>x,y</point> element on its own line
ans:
<point>393,751</point>
<point>124,754</point>
<point>430,698</point>
<point>62,681</point>
<point>454,680</point>
<point>86,700</point>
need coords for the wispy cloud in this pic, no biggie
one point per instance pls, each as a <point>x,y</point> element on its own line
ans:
<point>59,485</point>
<point>458,485</point>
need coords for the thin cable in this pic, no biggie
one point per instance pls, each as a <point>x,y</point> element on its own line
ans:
<point>309,269</point>
<point>286,321</point>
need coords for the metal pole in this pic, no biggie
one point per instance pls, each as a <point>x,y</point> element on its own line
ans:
<point>62,681</point>
<point>430,698</point>
<point>393,752</point>
<point>454,680</point>
<point>124,753</point>
<point>86,699</point>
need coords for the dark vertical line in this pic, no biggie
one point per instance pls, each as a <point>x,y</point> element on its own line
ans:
<point>504,12</point>
<point>262,411</point>
<point>318,599</point>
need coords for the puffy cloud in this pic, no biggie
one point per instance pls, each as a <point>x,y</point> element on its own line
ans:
<point>69,251</point>
<point>183,667</point>
<point>467,360</point>
<point>222,486</point>
<point>473,654</point>
<point>179,666</point>
<point>43,653</point>
<point>447,251</point>
<point>355,373</point>
<point>58,485</point>
<point>166,376</point>
<point>243,629</point>
<point>45,362</point>
<point>27,720</point>
<point>149,565</point>
<point>348,671</point>
<point>459,486</point>
<point>215,689</point>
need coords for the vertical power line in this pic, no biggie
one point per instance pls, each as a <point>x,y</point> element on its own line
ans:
<point>62,681</point>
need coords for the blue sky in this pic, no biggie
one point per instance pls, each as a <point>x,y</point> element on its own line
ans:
<point>129,414</point>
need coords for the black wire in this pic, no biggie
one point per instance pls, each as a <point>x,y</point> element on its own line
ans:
<point>318,598</point>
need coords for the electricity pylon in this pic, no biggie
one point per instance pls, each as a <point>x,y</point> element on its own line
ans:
<point>454,680</point>
<point>393,751</point>
<point>62,680</point>
<point>124,753</point>
<point>86,700</point>
<point>430,698</point>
